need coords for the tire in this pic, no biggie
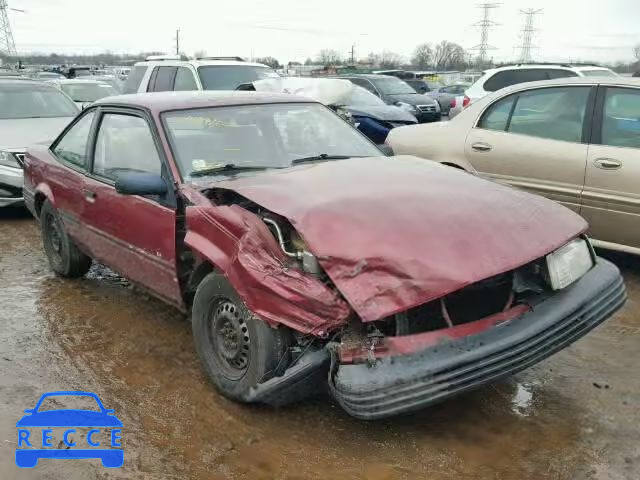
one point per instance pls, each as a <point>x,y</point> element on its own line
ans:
<point>64,257</point>
<point>238,351</point>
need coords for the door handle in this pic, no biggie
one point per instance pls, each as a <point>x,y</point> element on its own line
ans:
<point>89,196</point>
<point>607,163</point>
<point>481,147</point>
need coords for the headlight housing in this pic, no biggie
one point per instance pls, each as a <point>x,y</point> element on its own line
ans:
<point>568,263</point>
<point>7,159</point>
<point>406,106</point>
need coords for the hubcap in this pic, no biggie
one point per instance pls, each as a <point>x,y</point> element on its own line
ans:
<point>230,338</point>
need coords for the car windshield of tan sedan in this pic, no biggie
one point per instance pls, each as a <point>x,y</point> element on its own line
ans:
<point>259,137</point>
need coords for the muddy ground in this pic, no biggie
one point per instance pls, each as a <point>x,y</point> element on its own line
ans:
<point>575,416</point>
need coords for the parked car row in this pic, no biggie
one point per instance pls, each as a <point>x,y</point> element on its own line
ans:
<point>307,258</point>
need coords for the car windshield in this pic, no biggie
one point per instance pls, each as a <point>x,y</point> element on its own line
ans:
<point>48,75</point>
<point>392,86</point>
<point>228,77</point>
<point>87,92</point>
<point>598,73</point>
<point>361,97</point>
<point>34,101</point>
<point>261,136</point>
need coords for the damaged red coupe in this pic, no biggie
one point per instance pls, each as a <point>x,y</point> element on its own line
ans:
<point>307,258</point>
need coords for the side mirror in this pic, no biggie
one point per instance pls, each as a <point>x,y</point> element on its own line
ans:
<point>140,183</point>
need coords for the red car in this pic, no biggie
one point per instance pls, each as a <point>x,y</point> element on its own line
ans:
<point>307,258</point>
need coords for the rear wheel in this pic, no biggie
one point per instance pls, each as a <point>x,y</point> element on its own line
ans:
<point>238,351</point>
<point>63,255</point>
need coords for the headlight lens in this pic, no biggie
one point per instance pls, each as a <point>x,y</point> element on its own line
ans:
<point>406,106</point>
<point>569,263</point>
<point>8,160</point>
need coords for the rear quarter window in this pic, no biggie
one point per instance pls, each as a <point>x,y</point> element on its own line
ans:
<point>134,79</point>
<point>513,77</point>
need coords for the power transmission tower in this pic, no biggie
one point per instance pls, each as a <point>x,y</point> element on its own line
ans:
<point>7,45</point>
<point>527,33</point>
<point>486,24</point>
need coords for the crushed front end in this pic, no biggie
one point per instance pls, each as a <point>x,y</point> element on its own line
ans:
<point>474,336</point>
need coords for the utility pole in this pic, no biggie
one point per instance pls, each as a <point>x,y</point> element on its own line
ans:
<point>527,33</point>
<point>7,44</point>
<point>485,25</point>
<point>353,54</point>
<point>177,41</point>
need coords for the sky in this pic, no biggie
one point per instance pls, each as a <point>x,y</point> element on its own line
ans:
<point>293,30</point>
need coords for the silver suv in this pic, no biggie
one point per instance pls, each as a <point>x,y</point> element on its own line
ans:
<point>166,73</point>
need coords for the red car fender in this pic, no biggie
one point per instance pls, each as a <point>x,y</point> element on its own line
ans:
<point>44,189</point>
<point>240,245</point>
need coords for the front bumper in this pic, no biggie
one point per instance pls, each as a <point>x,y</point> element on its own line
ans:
<point>11,182</point>
<point>426,117</point>
<point>401,384</point>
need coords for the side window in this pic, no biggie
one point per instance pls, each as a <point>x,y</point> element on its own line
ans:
<point>553,113</point>
<point>184,80</point>
<point>134,79</point>
<point>124,143</point>
<point>621,118</point>
<point>512,77</point>
<point>497,116</point>
<point>499,80</point>
<point>162,79</point>
<point>361,82</point>
<point>555,73</point>
<point>73,146</point>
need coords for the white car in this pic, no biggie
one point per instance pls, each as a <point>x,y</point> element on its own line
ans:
<point>167,73</point>
<point>495,79</point>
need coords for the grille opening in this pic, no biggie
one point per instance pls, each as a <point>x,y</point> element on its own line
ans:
<point>474,302</point>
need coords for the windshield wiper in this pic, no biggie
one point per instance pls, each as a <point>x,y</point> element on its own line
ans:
<point>227,168</point>
<point>323,156</point>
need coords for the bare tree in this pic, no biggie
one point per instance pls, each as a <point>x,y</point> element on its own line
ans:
<point>390,59</point>
<point>271,61</point>
<point>373,58</point>
<point>308,61</point>
<point>636,52</point>
<point>199,54</point>
<point>422,55</point>
<point>448,55</point>
<point>328,57</point>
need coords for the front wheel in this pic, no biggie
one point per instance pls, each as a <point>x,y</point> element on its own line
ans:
<point>64,256</point>
<point>238,351</point>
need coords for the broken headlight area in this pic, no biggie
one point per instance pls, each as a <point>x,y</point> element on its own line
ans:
<point>468,311</point>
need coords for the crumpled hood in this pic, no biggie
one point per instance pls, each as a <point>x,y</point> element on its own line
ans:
<point>18,134</point>
<point>413,99</point>
<point>396,232</point>
<point>386,113</point>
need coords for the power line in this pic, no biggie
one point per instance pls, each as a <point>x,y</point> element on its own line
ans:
<point>485,25</point>
<point>527,33</point>
<point>7,44</point>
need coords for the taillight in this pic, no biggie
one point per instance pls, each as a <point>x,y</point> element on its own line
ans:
<point>466,102</point>
<point>453,103</point>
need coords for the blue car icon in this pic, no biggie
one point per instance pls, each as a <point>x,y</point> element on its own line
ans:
<point>69,418</point>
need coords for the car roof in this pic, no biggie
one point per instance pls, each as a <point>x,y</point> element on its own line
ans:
<point>611,81</point>
<point>164,101</point>
<point>370,76</point>
<point>11,81</point>
<point>197,63</point>
<point>64,81</point>
<point>559,66</point>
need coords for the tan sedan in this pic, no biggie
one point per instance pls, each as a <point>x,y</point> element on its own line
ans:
<point>576,141</point>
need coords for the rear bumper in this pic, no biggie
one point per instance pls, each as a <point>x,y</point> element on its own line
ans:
<point>401,384</point>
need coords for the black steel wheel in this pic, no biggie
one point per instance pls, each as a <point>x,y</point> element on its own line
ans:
<point>237,350</point>
<point>64,256</point>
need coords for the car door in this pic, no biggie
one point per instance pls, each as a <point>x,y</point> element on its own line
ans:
<point>66,175</point>
<point>132,234</point>
<point>536,140</point>
<point>611,198</point>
